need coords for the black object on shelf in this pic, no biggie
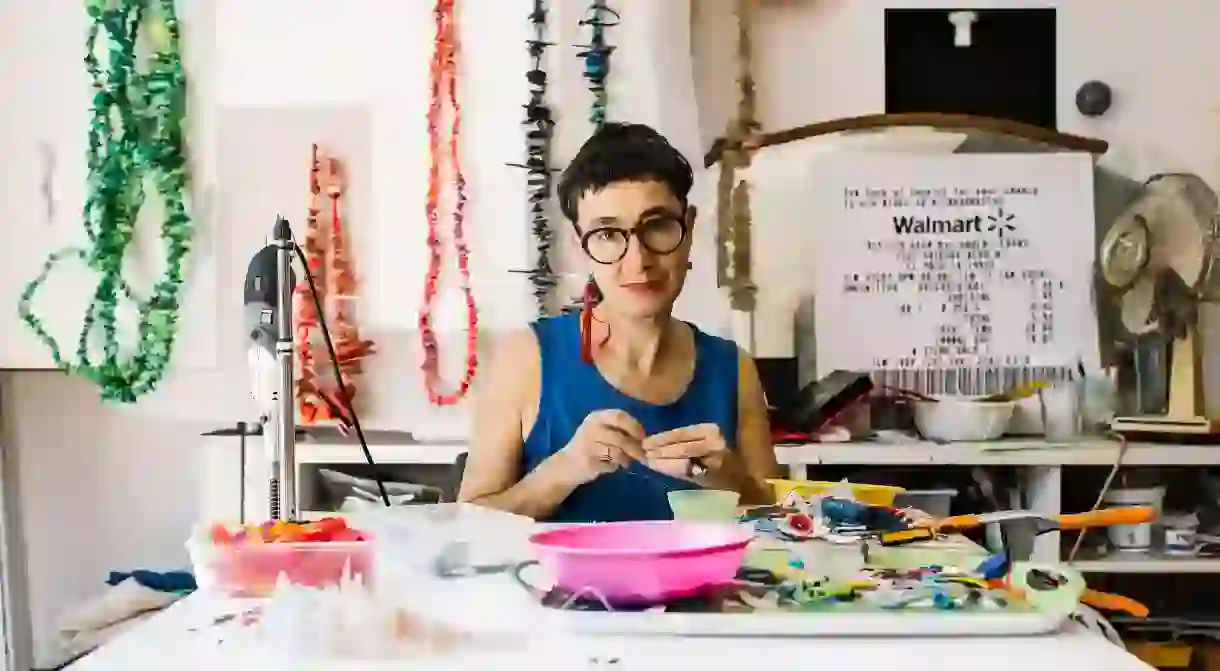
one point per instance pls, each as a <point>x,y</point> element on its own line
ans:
<point>821,401</point>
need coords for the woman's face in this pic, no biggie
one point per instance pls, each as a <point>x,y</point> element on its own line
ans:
<point>636,239</point>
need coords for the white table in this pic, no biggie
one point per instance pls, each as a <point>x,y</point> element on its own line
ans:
<point>185,638</point>
<point>182,640</point>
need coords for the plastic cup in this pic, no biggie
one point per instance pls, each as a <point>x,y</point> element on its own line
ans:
<point>704,505</point>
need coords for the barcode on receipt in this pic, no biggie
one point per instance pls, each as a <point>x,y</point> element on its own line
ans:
<point>967,381</point>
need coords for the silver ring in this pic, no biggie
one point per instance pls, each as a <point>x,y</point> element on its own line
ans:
<point>695,468</point>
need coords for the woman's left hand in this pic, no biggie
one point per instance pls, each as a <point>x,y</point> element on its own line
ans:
<point>673,452</point>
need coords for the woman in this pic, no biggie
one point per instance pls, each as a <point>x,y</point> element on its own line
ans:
<point>596,416</point>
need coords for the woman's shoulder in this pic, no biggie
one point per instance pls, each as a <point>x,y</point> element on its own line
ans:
<point>728,358</point>
<point>523,347</point>
<point>723,349</point>
<point>513,375</point>
<point>518,345</point>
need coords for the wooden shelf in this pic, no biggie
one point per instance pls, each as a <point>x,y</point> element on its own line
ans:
<point>384,454</point>
<point>1143,563</point>
<point>1016,452</point>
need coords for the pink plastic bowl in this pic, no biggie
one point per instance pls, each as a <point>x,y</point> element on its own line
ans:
<point>642,562</point>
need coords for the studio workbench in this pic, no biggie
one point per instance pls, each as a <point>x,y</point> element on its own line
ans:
<point>234,477</point>
<point>197,634</point>
<point>179,640</point>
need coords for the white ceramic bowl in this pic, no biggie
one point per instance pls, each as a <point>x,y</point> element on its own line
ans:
<point>955,419</point>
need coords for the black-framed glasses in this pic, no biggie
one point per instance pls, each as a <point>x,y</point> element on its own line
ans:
<point>661,235</point>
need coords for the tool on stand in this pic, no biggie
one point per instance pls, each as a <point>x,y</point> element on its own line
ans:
<point>268,307</point>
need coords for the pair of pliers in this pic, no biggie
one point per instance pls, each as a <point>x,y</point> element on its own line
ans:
<point>995,570</point>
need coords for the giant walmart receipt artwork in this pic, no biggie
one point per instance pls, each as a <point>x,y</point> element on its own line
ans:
<point>954,274</point>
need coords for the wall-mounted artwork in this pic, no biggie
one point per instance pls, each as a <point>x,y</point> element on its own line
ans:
<point>996,63</point>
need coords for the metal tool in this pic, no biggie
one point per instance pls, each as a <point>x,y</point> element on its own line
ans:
<point>268,308</point>
<point>453,561</point>
<point>844,512</point>
<point>995,570</point>
<point>1017,521</point>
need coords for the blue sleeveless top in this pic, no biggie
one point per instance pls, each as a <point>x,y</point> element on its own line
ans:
<point>571,389</point>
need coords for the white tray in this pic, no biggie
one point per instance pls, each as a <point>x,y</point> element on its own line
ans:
<point>1050,610</point>
<point>896,624</point>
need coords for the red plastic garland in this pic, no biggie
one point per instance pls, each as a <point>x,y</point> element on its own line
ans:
<point>444,91</point>
<point>319,396</point>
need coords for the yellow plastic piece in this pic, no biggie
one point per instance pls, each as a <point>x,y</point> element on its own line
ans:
<point>1171,655</point>
<point>874,495</point>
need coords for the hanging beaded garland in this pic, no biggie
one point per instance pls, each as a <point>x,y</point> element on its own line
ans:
<point>596,55</point>
<point>732,195</point>
<point>540,125</point>
<point>136,135</point>
<point>320,397</point>
<point>444,95</point>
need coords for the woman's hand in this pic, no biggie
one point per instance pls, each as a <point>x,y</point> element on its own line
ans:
<point>606,441</point>
<point>679,453</point>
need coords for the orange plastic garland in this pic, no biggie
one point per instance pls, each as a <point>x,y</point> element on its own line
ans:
<point>444,94</point>
<point>319,397</point>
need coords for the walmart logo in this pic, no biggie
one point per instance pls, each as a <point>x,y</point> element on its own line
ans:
<point>1001,222</point>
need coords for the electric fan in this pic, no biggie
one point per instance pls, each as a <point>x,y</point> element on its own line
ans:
<point>1161,255</point>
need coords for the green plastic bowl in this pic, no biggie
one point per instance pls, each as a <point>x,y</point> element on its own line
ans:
<point>704,505</point>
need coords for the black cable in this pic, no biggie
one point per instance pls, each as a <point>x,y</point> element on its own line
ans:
<point>242,431</point>
<point>334,362</point>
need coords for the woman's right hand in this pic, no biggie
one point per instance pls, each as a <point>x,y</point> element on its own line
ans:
<point>606,441</point>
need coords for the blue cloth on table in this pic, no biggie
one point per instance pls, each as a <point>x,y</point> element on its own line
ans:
<point>167,581</point>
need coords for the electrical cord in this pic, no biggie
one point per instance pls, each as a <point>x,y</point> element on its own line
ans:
<point>1105,488</point>
<point>345,398</point>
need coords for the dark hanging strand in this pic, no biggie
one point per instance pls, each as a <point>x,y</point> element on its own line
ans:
<point>596,55</point>
<point>597,58</point>
<point>540,125</point>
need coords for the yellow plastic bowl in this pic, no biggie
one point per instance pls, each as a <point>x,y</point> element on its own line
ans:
<point>875,495</point>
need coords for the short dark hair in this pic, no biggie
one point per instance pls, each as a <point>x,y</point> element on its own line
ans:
<point>623,152</point>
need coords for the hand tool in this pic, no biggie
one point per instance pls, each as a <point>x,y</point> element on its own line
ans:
<point>1046,580</point>
<point>843,512</point>
<point>1017,521</point>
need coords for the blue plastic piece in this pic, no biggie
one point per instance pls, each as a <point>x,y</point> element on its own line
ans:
<point>942,601</point>
<point>766,526</point>
<point>993,567</point>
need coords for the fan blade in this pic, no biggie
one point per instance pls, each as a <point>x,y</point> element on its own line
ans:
<point>1137,304</point>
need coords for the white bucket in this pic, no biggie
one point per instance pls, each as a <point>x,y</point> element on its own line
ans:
<point>1134,537</point>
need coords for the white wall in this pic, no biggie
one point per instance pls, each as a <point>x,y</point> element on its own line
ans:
<point>824,60</point>
<point>104,488</point>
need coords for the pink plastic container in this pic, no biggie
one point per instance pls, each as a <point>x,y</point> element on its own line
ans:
<point>642,562</point>
<point>251,570</point>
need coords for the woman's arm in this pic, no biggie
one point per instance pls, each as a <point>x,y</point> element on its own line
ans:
<point>506,405</point>
<point>755,451</point>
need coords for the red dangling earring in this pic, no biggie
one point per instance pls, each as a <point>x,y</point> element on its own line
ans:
<point>589,300</point>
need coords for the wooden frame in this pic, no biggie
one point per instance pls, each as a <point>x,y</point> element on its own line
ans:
<point>959,122</point>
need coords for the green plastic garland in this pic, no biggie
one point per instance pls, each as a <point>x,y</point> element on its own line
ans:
<point>136,134</point>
